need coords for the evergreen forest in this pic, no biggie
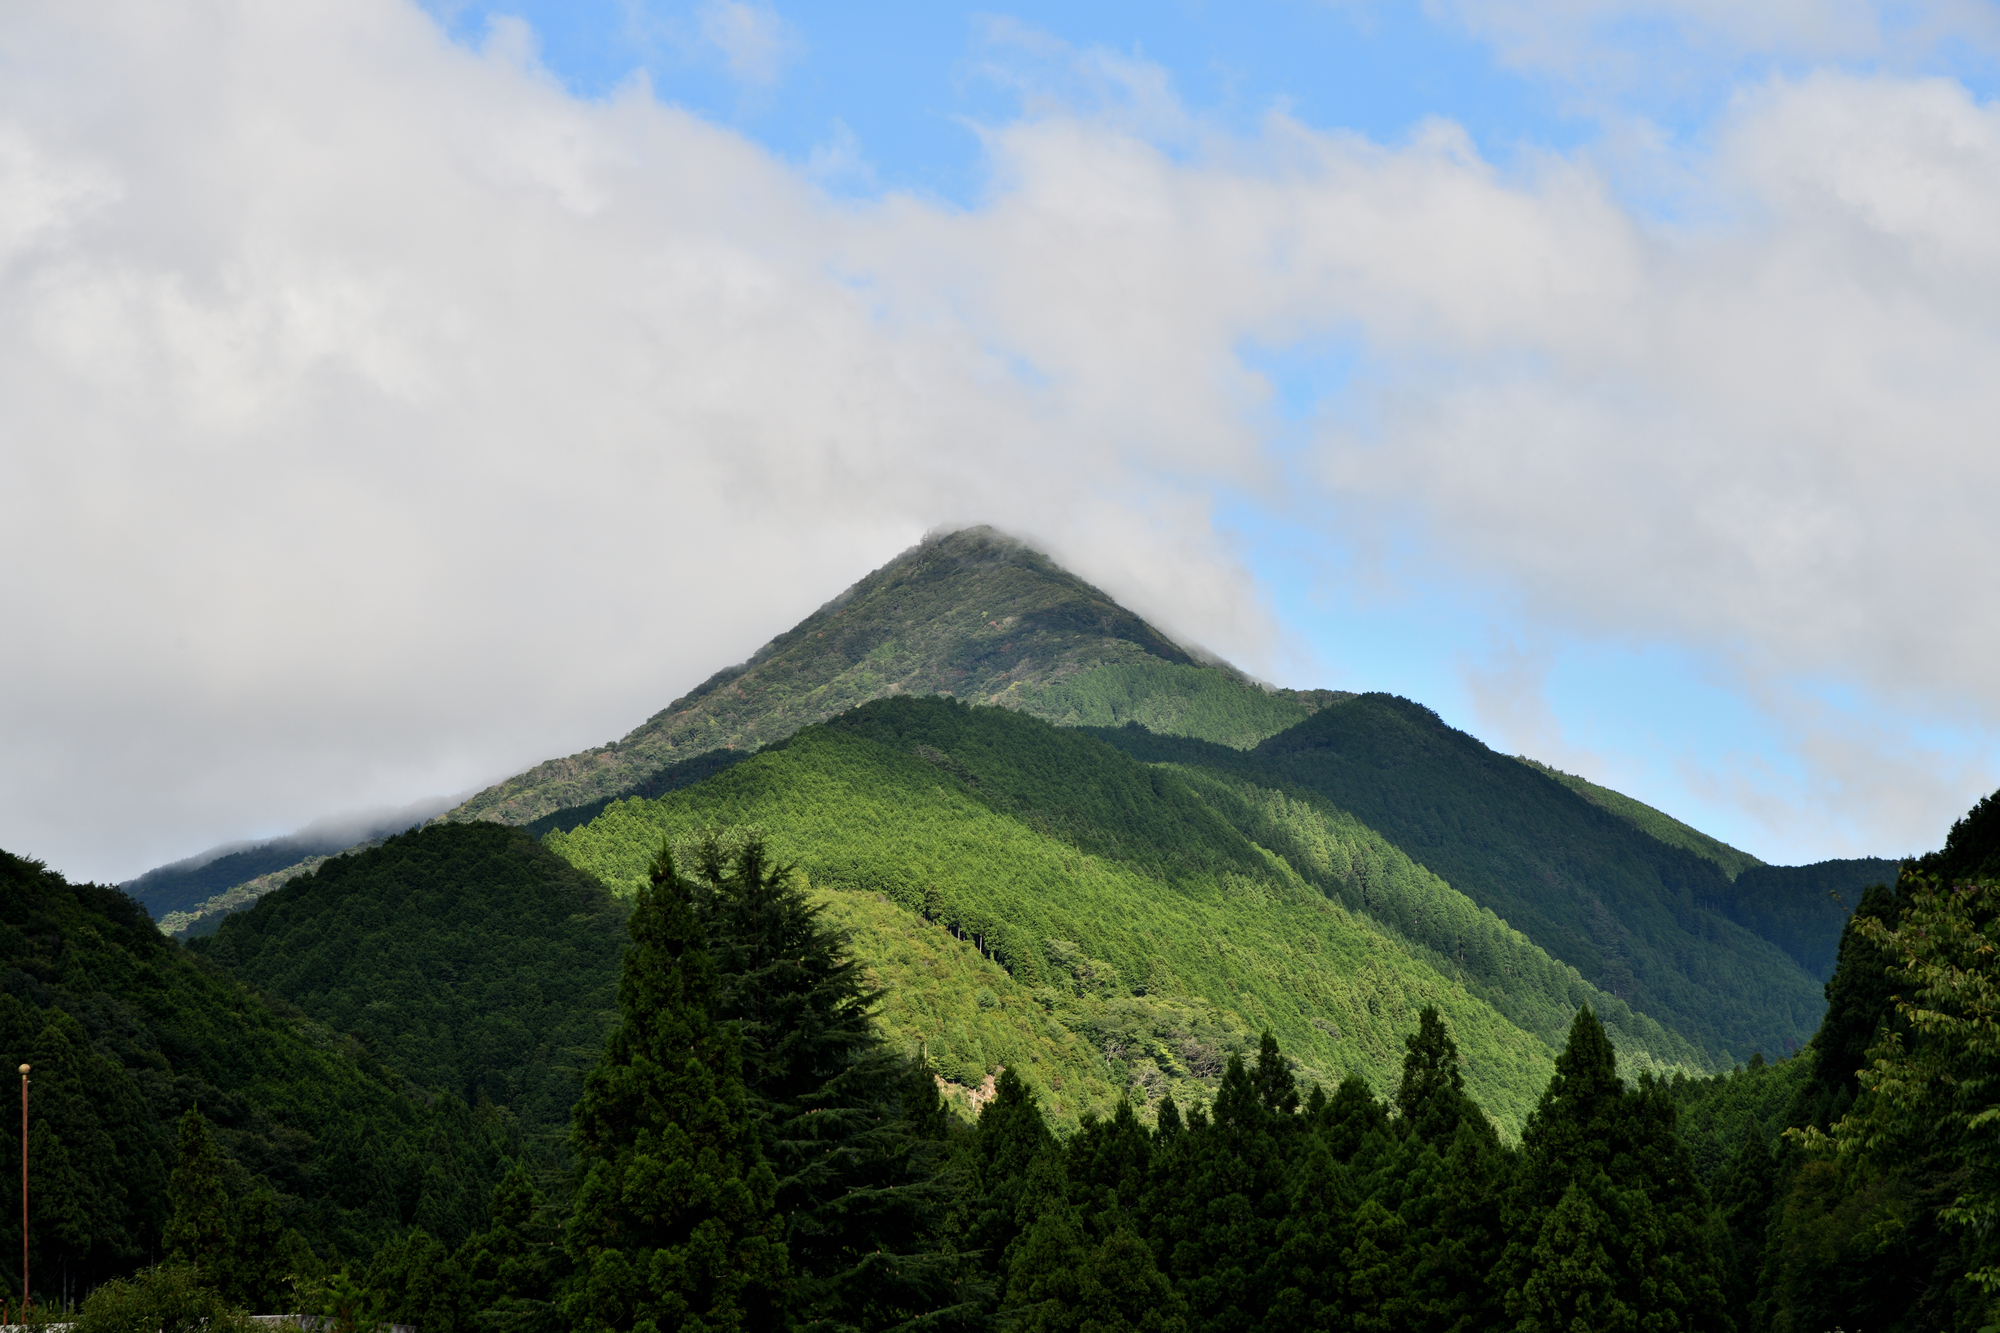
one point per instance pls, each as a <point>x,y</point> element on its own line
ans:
<point>976,957</point>
<point>750,1150</point>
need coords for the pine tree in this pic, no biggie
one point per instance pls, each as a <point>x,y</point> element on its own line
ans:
<point>260,1255</point>
<point>509,1284</point>
<point>674,1224</point>
<point>848,1126</point>
<point>1309,1288</point>
<point>1046,1259</point>
<point>1607,1194</point>
<point>1010,1136</point>
<point>197,1231</point>
<point>1432,1097</point>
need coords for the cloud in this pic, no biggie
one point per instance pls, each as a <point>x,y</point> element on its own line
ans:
<point>378,420</point>
<point>1626,42</point>
<point>754,41</point>
<point>381,419</point>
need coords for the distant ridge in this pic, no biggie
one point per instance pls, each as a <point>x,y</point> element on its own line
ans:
<point>974,614</point>
<point>186,886</point>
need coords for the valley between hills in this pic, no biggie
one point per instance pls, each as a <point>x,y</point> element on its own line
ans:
<point>1083,885</point>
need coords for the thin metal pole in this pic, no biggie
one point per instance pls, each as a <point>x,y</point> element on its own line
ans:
<point>24,1191</point>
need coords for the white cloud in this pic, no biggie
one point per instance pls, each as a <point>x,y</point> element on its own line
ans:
<point>1633,41</point>
<point>378,419</point>
<point>754,41</point>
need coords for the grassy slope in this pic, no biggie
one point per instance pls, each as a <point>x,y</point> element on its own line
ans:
<point>1634,916</point>
<point>1131,940</point>
<point>1655,823</point>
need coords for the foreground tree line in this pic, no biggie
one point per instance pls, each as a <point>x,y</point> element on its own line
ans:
<point>748,1154</point>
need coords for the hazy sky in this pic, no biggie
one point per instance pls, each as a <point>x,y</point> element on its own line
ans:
<point>392,396</point>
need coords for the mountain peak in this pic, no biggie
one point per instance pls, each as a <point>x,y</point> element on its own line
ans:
<point>972,613</point>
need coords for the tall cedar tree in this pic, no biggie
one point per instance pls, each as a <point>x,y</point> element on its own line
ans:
<point>1452,1203</point>
<point>197,1232</point>
<point>853,1132</point>
<point>1607,1223</point>
<point>675,1223</point>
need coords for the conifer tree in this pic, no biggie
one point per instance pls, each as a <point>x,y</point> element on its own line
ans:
<point>674,1224</point>
<point>509,1284</point>
<point>849,1128</point>
<point>1432,1096</point>
<point>1607,1214</point>
<point>1309,1288</point>
<point>260,1255</point>
<point>197,1232</point>
<point>1010,1136</point>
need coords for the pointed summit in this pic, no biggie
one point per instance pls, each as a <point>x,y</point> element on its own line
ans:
<point>974,614</point>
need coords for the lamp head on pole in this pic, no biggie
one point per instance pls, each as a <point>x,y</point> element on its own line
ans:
<point>24,1071</point>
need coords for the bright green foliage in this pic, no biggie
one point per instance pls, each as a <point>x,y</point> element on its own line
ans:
<point>1107,889</point>
<point>126,1032</point>
<point>166,1299</point>
<point>1932,1095</point>
<point>1630,913</point>
<point>941,996</point>
<point>197,1231</point>
<point>1170,698</point>
<point>466,955</point>
<point>674,1223</point>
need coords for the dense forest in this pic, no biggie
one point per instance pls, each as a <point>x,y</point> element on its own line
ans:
<point>750,1152</point>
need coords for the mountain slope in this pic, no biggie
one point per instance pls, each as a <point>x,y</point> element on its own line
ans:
<point>973,614</point>
<point>1116,894</point>
<point>126,1031</point>
<point>1656,823</point>
<point>1634,915</point>
<point>467,956</point>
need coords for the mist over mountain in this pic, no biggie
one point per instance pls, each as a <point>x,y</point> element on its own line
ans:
<point>186,884</point>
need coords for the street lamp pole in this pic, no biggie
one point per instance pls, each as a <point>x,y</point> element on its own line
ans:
<point>24,1192</point>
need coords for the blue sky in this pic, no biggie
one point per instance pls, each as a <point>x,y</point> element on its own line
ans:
<point>1614,376</point>
<point>894,98</point>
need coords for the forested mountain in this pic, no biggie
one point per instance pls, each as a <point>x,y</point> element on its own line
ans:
<point>466,955</point>
<point>127,1032</point>
<point>1631,913</point>
<point>973,614</point>
<point>980,617</point>
<point>1134,906</point>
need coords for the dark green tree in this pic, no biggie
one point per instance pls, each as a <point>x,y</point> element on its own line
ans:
<point>674,1225</point>
<point>262,1255</point>
<point>418,1281</point>
<point>510,1267</point>
<point>1432,1097</point>
<point>197,1232</point>
<point>1010,1136</point>
<point>1607,1214</point>
<point>851,1130</point>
